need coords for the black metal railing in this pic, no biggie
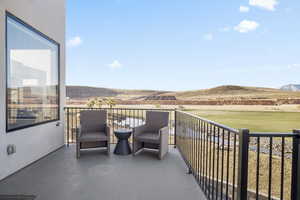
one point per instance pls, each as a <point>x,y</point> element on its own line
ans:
<point>227,163</point>
<point>116,118</point>
<point>210,152</point>
<point>236,164</point>
<point>272,163</point>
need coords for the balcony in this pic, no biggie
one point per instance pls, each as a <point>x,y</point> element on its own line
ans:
<point>209,161</point>
<point>61,176</point>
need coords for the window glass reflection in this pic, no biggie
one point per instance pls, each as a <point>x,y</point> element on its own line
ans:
<point>32,77</point>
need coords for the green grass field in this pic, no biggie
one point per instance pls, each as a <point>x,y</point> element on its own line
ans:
<point>256,121</point>
<point>257,118</point>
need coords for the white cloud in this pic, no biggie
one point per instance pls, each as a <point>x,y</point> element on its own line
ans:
<point>115,64</point>
<point>74,41</point>
<point>246,26</point>
<point>264,4</point>
<point>225,29</point>
<point>208,36</point>
<point>244,9</point>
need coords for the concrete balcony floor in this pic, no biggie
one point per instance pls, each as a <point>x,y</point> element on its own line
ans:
<point>95,176</point>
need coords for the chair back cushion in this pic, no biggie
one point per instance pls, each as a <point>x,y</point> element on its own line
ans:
<point>156,120</point>
<point>93,120</point>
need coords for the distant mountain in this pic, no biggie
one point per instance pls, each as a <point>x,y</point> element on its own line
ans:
<point>291,87</point>
<point>229,91</point>
<point>79,92</point>
<point>87,92</point>
<point>223,92</point>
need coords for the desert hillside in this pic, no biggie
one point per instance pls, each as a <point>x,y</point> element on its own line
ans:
<point>232,91</point>
<point>221,92</point>
<point>85,92</point>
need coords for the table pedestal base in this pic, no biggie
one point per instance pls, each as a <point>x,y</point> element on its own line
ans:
<point>122,147</point>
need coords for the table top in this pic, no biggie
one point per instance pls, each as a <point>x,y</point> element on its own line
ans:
<point>123,130</point>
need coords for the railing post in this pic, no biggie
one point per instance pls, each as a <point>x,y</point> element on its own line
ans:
<point>175,127</point>
<point>68,133</point>
<point>242,183</point>
<point>295,192</point>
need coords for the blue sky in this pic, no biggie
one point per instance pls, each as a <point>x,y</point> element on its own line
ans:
<point>182,44</point>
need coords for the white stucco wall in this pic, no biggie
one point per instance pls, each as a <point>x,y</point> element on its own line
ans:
<point>48,16</point>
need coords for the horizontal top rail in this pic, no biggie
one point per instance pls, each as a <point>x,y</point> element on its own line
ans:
<point>116,108</point>
<point>297,131</point>
<point>233,130</point>
<point>270,134</point>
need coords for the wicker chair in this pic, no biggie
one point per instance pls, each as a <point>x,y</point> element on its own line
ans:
<point>93,131</point>
<point>154,134</point>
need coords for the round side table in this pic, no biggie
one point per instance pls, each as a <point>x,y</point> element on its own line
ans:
<point>122,147</point>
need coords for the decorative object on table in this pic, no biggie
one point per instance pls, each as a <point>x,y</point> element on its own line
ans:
<point>93,131</point>
<point>123,147</point>
<point>154,134</point>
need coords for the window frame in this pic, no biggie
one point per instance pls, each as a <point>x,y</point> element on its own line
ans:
<point>39,33</point>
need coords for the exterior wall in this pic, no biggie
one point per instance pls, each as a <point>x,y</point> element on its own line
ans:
<point>48,16</point>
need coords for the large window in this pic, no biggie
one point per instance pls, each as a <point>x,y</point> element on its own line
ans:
<point>32,61</point>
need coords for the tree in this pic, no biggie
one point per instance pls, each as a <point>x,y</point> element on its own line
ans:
<point>99,102</point>
<point>95,103</point>
<point>91,103</point>
<point>110,102</point>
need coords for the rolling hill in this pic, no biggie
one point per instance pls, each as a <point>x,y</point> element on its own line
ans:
<point>232,91</point>
<point>221,92</point>
<point>83,92</point>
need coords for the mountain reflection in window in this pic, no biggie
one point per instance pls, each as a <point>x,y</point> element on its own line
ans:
<point>32,76</point>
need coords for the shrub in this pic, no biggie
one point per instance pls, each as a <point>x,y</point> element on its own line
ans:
<point>94,103</point>
<point>110,102</point>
